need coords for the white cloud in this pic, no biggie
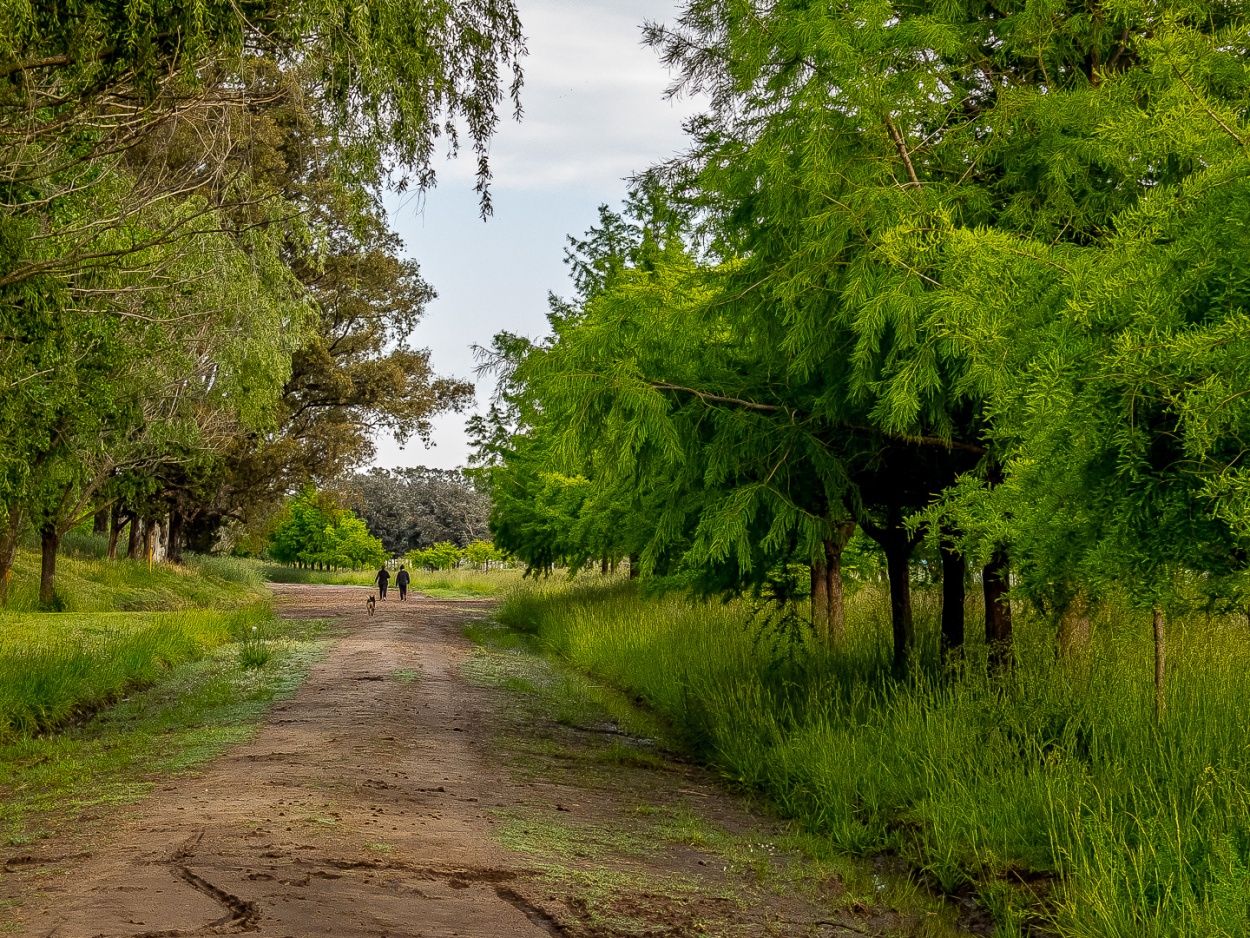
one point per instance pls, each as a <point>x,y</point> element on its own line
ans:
<point>595,113</point>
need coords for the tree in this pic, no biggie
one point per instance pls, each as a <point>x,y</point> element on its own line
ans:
<point>441,556</point>
<point>417,507</point>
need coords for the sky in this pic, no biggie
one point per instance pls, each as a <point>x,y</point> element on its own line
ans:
<point>595,113</point>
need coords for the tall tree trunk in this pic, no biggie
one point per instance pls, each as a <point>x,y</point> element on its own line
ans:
<point>603,565</point>
<point>1074,627</point>
<point>995,578</point>
<point>828,606</point>
<point>1160,665</point>
<point>132,541</point>
<point>898,563</point>
<point>49,541</point>
<point>8,550</point>
<point>954,570</point>
<point>173,550</point>
<point>149,533</point>
<point>100,524</point>
<point>820,598</point>
<point>115,523</point>
<point>635,566</point>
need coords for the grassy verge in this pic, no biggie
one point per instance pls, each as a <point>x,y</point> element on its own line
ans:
<point>567,728</point>
<point>190,714</point>
<point>55,668</point>
<point>445,584</point>
<point>87,582</point>
<point>1052,794</point>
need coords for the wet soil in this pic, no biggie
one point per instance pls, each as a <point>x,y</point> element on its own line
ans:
<point>395,796</point>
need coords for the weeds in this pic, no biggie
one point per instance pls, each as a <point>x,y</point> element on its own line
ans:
<point>1056,775</point>
<point>253,652</point>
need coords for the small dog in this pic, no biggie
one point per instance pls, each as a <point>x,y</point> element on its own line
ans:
<point>371,604</point>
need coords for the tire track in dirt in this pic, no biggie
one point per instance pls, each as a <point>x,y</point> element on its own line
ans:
<point>368,804</point>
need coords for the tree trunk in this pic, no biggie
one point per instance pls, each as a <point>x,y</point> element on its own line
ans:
<point>149,532</point>
<point>954,570</point>
<point>49,541</point>
<point>995,579</point>
<point>898,563</point>
<point>1160,665</point>
<point>833,574</point>
<point>173,549</point>
<point>828,608</point>
<point>100,524</point>
<point>8,551</point>
<point>820,599</point>
<point>1074,627</point>
<point>603,565</point>
<point>132,542</point>
<point>635,566</point>
<point>115,526</point>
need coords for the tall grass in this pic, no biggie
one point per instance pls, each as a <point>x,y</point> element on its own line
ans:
<point>1055,778</point>
<point>85,582</point>
<point>55,668</point>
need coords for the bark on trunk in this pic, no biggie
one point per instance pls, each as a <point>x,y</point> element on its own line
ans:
<point>837,605</point>
<point>1074,627</point>
<point>996,581</point>
<point>115,527</point>
<point>49,541</point>
<point>8,551</point>
<point>603,565</point>
<point>954,570</point>
<point>100,524</point>
<point>1160,665</point>
<point>635,566</point>
<point>898,563</point>
<point>149,532</point>
<point>132,541</point>
<point>173,550</point>
<point>820,599</point>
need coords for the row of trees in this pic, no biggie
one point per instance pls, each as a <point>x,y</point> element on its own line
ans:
<point>447,556</point>
<point>965,273</point>
<point>201,303</point>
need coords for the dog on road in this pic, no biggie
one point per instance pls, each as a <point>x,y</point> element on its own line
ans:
<point>371,604</point>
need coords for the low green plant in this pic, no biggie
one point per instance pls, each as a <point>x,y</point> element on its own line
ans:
<point>253,651</point>
<point>1055,773</point>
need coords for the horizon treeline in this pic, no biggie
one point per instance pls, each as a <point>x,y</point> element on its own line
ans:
<point>202,306</point>
<point>966,275</point>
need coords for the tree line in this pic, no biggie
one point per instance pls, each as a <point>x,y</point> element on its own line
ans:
<point>964,275</point>
<point>202,306</point>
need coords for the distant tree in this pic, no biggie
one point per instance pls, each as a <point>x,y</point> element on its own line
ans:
<point>414,508</point>
<point>441,556</point>
<point>315,531</point>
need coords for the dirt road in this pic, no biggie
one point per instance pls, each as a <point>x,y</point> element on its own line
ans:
<point>378,801</point>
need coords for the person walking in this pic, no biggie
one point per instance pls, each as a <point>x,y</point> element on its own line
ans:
<point>401,580</point>
<point>383,577</point>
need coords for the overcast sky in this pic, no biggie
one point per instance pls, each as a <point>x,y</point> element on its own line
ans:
<point>594,114</point>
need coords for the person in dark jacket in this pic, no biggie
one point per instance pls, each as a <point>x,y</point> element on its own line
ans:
<point>383,577</point>
<point>401,580</point>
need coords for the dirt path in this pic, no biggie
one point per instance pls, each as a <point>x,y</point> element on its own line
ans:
<point>377,802</point>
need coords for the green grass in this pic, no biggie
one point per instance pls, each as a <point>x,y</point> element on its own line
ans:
<point>56,667</point>
<point>86,582</point>
<point>445,584</point>
<point>1052,794</point>
<point>192,713</point>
